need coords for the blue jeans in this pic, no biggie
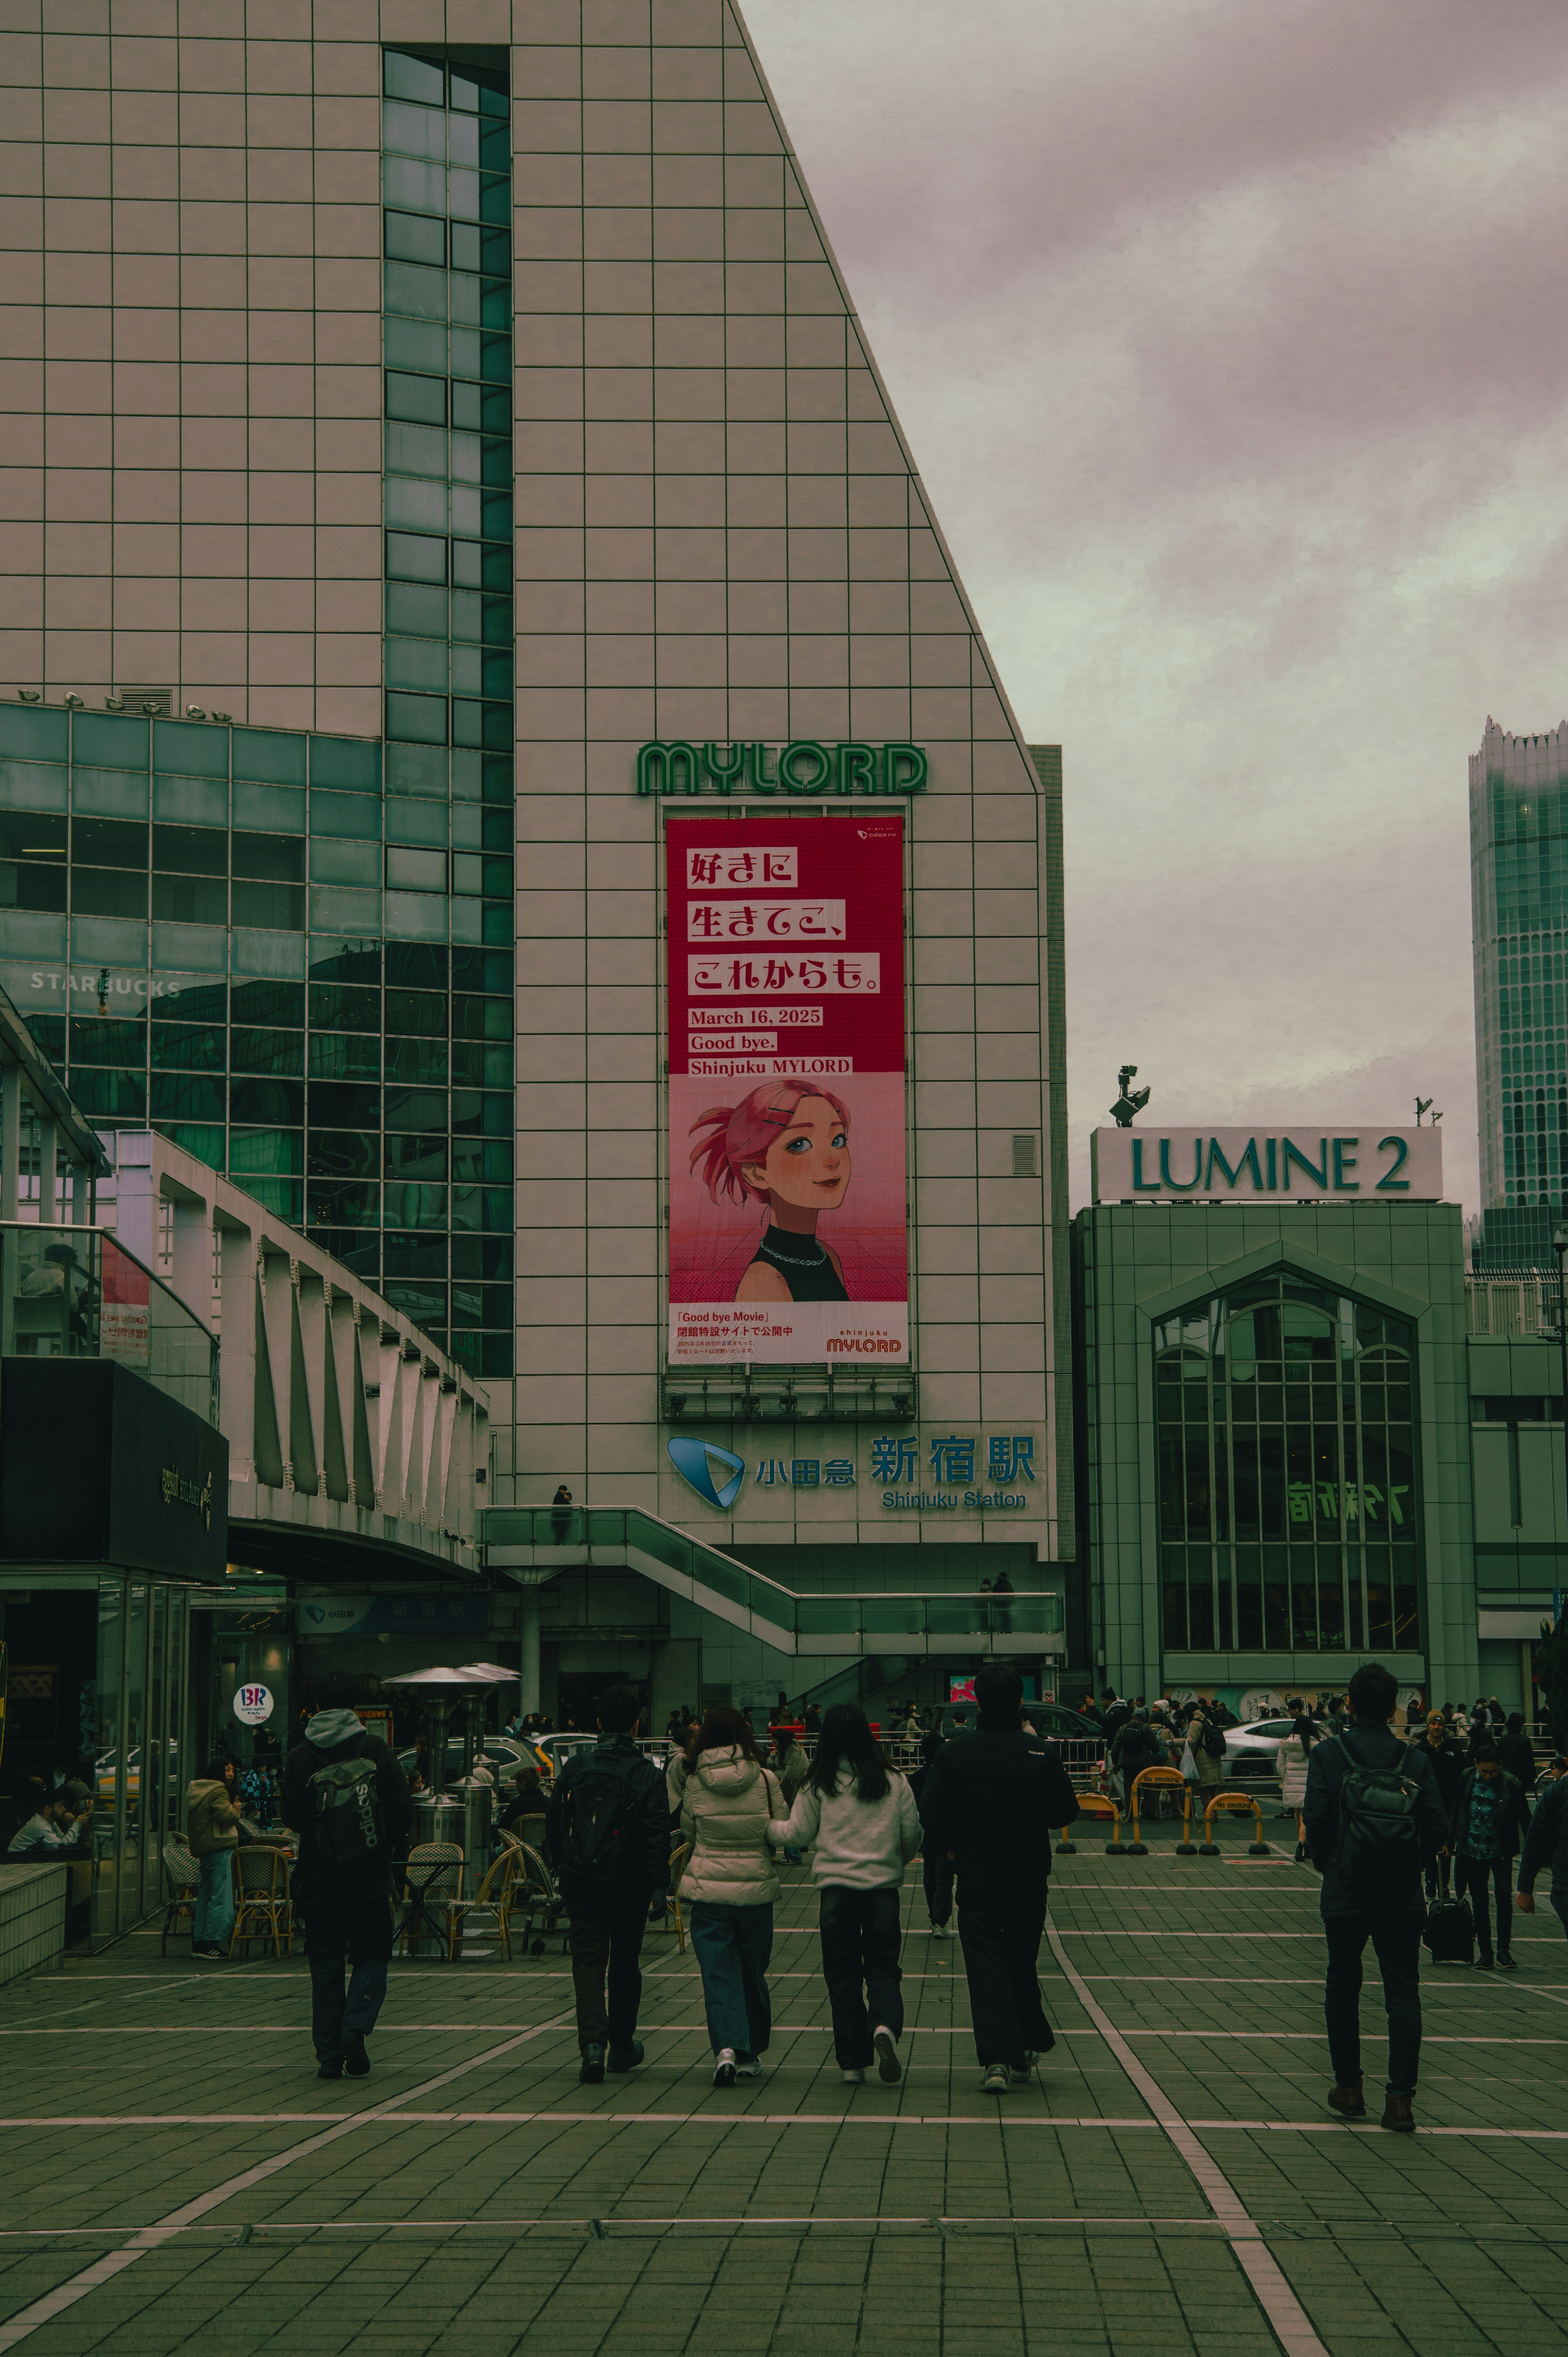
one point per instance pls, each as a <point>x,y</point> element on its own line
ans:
<point>733,1945</point>
<point>213,1921</point>
<point>360,1930</point>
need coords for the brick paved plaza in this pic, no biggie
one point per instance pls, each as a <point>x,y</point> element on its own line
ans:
<point>165,2129</point>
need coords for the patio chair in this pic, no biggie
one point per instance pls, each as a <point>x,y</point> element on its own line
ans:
<point>182,1879</point>
<point>493,1897</point>
<point>543,1909</point>
<point>262,1909</point>
<point>433,1875</point>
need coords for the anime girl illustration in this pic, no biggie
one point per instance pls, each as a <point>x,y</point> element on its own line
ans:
<point>785,1144</point>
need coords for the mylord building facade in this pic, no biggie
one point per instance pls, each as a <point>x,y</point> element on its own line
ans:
<point>451,422</point>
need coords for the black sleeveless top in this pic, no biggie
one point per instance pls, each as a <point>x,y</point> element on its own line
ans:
<point>803,1264</point>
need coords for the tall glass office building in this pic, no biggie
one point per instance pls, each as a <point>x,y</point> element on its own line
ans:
<point>1519,884</point>
<point>444,460</point>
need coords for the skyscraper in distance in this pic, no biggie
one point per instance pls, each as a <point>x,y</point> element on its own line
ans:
<point>1518,810</point>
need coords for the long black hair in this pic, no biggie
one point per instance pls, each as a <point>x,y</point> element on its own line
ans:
<point>846,1741</point>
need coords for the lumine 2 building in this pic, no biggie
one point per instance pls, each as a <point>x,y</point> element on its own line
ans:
<point>496,756</point>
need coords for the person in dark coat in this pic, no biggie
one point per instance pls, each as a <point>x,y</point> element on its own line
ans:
<point>994,1801</point>
<point>1546,1845</point>
<point>1517,1753</point>
<point>1390,1916</point>
<point>1135,1748</point>
<point>936,1865</point>
<point>346,1905</point>
<point>607,1909</point>
<point>1486,1825</point>
<point>1446,1761</point>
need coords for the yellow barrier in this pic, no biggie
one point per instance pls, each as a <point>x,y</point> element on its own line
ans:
<point>1160,1779</point>
<point>1259,1848</point>
<point>1096,1804</point>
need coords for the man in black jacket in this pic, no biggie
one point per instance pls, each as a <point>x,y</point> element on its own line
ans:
<point>994,1801</point>
<point>1389,1913</point>
<point>607,1825</point>
<point>1487,1824</point>
<point>1516,1753</point>
<point>1446,1763</point>
<point>346,1904</point>
<point>1546,1844</point>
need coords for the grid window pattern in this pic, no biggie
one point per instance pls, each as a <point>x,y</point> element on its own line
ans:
<point>1286,1451</point>
<point>446,181</point>
<point>1518,829</point>
<point>210,948</point>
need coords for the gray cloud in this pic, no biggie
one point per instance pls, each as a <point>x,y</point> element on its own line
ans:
<point>1231,339</point>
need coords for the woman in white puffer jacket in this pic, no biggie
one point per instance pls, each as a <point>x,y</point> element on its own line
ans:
<point>860,1816</point>
<point>726,1798</point>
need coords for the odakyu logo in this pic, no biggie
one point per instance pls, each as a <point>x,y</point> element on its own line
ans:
<point>714,1473</point>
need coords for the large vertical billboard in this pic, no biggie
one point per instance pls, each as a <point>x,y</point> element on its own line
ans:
<point>788,1229</point>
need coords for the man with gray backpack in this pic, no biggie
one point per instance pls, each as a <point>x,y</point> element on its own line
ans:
<point>1374,1819</point>
<point>348,1800</point>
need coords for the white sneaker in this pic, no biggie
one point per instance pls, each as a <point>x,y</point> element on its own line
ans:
<point>853,2078</point>
<point>752,2069</point>
<point>725,2067</point>
<point>941,1930</point>
<point>997,2080</point>
<point>888,2066</point>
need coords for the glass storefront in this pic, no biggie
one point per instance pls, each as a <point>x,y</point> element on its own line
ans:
<point>1287,1480</point>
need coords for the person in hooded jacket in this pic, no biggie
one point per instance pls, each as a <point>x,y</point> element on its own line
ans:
<point>859,1816</point>
<point>212,1835</point>
<point>346,1905</point>
<point>727,1800</point>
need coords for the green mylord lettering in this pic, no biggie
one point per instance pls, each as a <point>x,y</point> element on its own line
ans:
<point>904,768</point>
<point>857,770</point>
<point>817,761</point>
<point>1248,1158</point>
<point>723,773</point>
<point>1316,1171</point>
<point>758,779</point>
<point>658,765</point>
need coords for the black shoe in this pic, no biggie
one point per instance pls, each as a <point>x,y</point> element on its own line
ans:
<point>329,2070</point>
<point>591,2072</point>
<point>356,2061</point>
<point>624,2058</point>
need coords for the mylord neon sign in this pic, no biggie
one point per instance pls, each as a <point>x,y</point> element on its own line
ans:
<point>801,767</point>
<point>1199,1163</point>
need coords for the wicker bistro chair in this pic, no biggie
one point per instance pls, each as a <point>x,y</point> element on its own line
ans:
<point>543,1909</point>
<point>264,1909</point>
<point>182,1879</point>
<point>432,1878</point>
<point>494,1899</point>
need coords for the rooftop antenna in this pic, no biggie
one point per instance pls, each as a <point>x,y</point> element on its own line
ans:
<point>1424,1104</point>
<point>1129,1102</point>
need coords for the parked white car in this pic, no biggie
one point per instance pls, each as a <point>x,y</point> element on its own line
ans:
<point>1251,1751</point>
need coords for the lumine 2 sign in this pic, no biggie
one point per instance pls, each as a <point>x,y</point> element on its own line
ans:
<point>1224,1165</point>
<point>801,767</point>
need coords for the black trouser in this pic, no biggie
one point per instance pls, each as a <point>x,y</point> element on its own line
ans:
<point>605,1939</point>
<point>860,1964</point>
<point>1001,1929</point>
<point>1396,1942</point>
<point>1473,1875</point>
<point>360,1930</point>
<point>937,1869</point>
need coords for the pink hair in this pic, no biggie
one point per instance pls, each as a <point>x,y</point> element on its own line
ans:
<point>744,1133</point>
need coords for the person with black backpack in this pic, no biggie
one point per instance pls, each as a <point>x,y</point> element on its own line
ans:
<point>1374,1819</point>
<point>349,1800</point>
<point>607,1828</point>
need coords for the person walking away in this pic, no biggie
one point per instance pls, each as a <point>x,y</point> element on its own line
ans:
<point>727,1801</point>
<point>1516,1753</point>
<point>1290,1766</point>
<point>1113,1714</point>
<point>1374,1818</point>
<point>859,1816</point>
<point>1546,1844</point>
<point>1206,1744</point>
<point>790,1766</point>
<point>607,1827</point>
<point>1489,1823</point>
<point>349,1800</point>
<point>1136,1747</point>
<point>212,1835</point>
<point>994,1803</point>
<point>1446,1761</point>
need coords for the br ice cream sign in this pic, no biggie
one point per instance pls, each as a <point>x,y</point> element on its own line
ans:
<point>1370,1165</point>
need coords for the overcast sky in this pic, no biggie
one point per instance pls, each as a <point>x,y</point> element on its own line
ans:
<point>1233,342</point>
